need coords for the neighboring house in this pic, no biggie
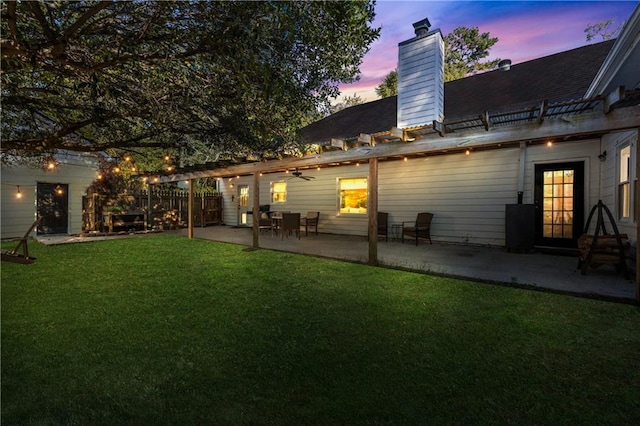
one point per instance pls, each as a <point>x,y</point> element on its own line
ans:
<point>55,195</point>
<point>555,134</point>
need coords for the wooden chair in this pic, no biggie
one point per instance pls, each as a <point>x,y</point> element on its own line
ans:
<point>290,224</point>
<point>383,225</point>
<point>14,256</point>
<point>311,221</point>
<point>421,227</point>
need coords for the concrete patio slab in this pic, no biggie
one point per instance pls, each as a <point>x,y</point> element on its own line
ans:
<point>533,270</point>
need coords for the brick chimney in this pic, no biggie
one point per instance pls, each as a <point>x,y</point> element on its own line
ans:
<point>421,77</point>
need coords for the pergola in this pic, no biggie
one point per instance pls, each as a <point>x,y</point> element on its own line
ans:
<point>538,124</point>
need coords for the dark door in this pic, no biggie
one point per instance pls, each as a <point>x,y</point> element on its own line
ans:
<point>559,200</point>
<point>53,207</point>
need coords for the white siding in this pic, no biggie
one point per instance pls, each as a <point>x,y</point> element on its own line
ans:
<point>466,193</point>
<point>18,214</point>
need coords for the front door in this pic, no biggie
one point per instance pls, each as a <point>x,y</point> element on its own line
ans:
<point>559,200</point>
<point>243,204</point>
<point>53,207</point>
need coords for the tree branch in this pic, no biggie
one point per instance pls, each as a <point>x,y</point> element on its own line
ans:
<point>13,25</point>
<point>37,12</point>
<point>85,17</point>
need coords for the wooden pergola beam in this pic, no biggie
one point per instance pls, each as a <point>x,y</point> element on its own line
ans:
<point>583,125</point>
<point>616,95</point>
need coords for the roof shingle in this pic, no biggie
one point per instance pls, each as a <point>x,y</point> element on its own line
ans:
<point>562,76</point>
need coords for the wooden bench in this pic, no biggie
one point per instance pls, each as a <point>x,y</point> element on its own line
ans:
<point>131,220</point>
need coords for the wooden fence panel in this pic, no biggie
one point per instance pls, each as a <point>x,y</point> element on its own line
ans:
<point>165,209</point>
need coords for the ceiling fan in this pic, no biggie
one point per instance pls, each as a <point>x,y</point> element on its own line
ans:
<point>298,174</point>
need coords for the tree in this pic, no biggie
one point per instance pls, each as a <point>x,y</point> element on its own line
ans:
<point>603,29</point>
<point>464,48</point>
<point>347,102</point>
<point>233,76</point>
<point>389,86</point>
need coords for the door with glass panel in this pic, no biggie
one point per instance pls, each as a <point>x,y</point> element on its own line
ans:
<point>243,205</point>
<point>559,200</point>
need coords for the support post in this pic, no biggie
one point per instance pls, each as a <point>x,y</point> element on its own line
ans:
<point>190,209</point>
<point>149,224</point>
<point>256,210</point>
<point>372,209</point>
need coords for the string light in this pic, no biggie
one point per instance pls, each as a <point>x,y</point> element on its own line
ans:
<point>116,169</point>
<point>549,143</point>
<point>467,152</point>
<point>18,194</point>
<point>405,158</point>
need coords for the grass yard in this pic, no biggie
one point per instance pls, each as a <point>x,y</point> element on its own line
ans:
<point>166,330</point>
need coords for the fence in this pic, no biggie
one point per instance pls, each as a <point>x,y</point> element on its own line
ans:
<point>163,209</point>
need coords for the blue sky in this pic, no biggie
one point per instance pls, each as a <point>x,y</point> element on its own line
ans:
<point>525,29</point>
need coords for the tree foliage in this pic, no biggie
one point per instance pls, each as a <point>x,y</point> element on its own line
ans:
<point>225,76</point>
<point>347,101</point>
<point>464,49</point>
<point>604,29</point>
<point>389,86</point>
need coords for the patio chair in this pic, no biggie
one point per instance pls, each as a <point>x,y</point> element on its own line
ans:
<point>383,225</point>
<point>421,227</point>
<point>265,223</point>
<point>311,221</point>
<point>290,224</point>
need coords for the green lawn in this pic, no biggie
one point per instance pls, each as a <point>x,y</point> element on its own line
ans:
<point>166,330</point>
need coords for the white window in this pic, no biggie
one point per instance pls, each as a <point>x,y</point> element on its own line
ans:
<point>624,183</point>
<point>627,182</point>
<point>278,192</point>
<point>353,195</point>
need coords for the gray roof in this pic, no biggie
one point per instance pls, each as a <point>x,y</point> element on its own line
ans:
<point>560,77</point>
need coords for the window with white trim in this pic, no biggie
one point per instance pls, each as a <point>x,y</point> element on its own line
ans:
<point>353,195</point>
<point>278,192</point>
<point>626,183</point>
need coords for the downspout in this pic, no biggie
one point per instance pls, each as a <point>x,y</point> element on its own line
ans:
<point>522,159</point>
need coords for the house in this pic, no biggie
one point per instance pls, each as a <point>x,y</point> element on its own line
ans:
<point>54,193</point>
<point>551,136</point>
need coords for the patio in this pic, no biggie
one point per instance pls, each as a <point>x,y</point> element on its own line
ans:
<point>535,270</point>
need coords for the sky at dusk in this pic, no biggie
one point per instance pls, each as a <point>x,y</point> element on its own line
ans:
<point>526,29</point>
